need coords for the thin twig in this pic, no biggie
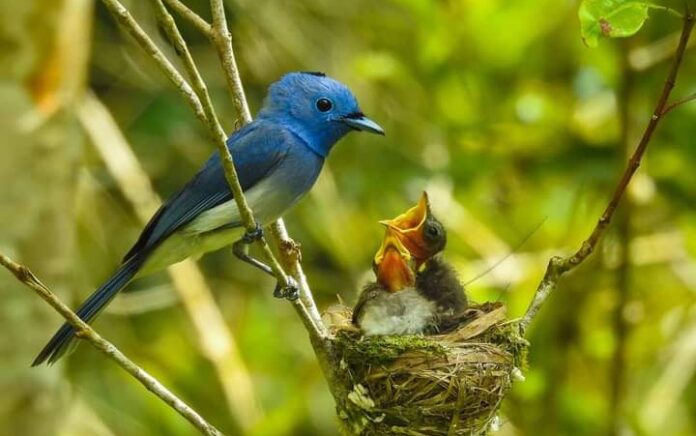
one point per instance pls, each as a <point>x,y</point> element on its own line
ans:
<point>199,23</point>
<point>213,124</point>
<point>558,265</point>
<point>679,103</point>
<point>85,332</point>
<point>129,24</point>
<point>222,40</point>
<point>290,256</point>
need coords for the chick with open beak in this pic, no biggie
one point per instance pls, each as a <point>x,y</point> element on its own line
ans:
<point>419,231</point>
<point>425,238</point>
<point>391,305</point>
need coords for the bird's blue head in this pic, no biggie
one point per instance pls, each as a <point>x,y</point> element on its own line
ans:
<point>318,109</point>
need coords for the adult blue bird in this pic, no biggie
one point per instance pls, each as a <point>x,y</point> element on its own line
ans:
<point>278,157</point>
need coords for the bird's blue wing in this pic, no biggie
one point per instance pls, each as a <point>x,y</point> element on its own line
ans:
<point>256,148</point>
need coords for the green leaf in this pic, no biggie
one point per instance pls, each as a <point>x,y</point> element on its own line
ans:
<point>611,19</point>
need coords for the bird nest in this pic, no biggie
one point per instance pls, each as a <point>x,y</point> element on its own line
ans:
<point>444,384</point>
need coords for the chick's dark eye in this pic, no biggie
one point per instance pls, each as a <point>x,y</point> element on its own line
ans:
<point>432,231</point>
<point>324,105</point>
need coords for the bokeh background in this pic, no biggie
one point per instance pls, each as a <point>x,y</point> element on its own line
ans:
<point>516,129</point>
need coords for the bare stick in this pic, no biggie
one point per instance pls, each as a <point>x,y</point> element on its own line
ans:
<point>558,265</point>
<point>679,103</point>
<point>85,332</point>
<point>290,255</point>
<point>199,23</point>
<point>222,40</point>
<point>126,21</point>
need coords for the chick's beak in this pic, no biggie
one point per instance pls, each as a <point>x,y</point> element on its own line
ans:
<point>408,228</point>
<point>393,264</point>
<point>358,121</point>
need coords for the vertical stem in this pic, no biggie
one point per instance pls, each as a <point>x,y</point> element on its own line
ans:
<point>222,39</point>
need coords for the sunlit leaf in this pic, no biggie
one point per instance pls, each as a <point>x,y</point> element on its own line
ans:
<point>611,19</point>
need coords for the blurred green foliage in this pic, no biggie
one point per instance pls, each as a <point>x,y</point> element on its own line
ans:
<point>499,110</point>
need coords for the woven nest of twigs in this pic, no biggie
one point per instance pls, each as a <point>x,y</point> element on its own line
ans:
<point>445,384</point>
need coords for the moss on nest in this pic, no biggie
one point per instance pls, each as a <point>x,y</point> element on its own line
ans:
<point>446,384</point>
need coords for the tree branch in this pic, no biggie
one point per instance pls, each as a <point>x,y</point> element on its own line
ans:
<point>125,19</point>
<point>558,265</point>
<point>199,23</point>
<point>85,332</point>
<point>173,33</point>
<point>222,40</point>
<point>679,103</point>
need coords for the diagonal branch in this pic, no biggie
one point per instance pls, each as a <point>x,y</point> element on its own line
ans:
<point>126,20</point>
<point>558,265</point>
<point>199,23</point>
<point>85,332</point>
<point>679,103</point>
<point>222,40</point>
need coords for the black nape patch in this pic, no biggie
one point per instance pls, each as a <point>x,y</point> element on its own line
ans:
<point>314,73</point>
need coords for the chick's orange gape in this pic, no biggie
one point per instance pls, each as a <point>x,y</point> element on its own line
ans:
<point>393,264</point>
<point>414,228</point>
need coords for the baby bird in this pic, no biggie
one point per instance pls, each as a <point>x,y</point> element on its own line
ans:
<point>425,238</point>
<point>416,290</point>
<point>391,305</point>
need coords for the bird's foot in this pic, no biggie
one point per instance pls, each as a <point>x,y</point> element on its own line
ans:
<point>291,291</point>
<point>253,236</point>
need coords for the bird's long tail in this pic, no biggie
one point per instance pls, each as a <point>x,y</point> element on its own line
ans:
<point>61,340</point>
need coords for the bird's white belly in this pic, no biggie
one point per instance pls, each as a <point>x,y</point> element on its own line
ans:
<point>267,202</point>
<point>404,312</point>
<point>219,227</point>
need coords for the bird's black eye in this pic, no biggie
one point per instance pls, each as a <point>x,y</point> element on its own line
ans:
<point>324,105</point>
<point>432,231</point>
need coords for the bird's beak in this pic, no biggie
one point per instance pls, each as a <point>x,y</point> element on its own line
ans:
<point>393,264</point>
<point>358,121</point>
<point>408,227</point>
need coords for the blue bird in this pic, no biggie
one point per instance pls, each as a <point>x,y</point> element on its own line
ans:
<point>278,158</point>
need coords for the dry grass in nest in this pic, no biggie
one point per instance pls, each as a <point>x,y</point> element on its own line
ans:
<point>447,384</point>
